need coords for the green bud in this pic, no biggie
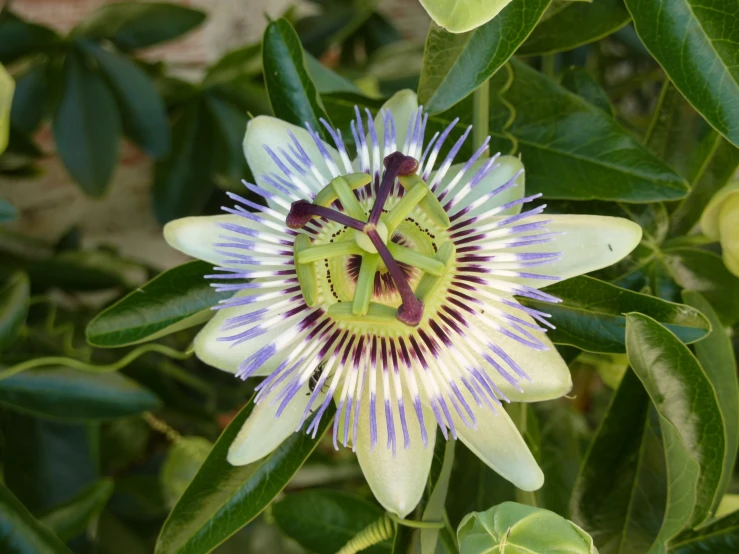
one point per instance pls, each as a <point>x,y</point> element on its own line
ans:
<point>460,16</point>
<point>6,99</point>
<point>720,221</point>
<point>518,529</point>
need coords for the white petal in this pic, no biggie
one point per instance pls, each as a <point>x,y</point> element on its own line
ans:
<point>195,236</point>
<point>222,355</point>
<point>497,442</point>
<point>397,482</point>
<point>507,167</point>
<point>263,431</point>
<point>588,242</point>
<point>548,373</point>
<point>404,106</point>
<point>274,133</point>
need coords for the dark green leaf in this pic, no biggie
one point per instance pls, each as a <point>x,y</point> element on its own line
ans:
<point>721,537</point>
<point>619,496</point>
<point>73,517</point>
<point>576,24</point>
<point>579,81</point>
<point>455,64</point>
<point>183,179</point>
<point>19,38</point>
<point>293,95</point>
<point>145,116</point>
<point>403,540</point>
<point>591,318</point>
<point>132,25</point>
<point>114,537</point>
<point>572,149</point>
<point>231,125</point>
<point>323,521</point>
<point>29,101</point>
<point>66,393</point>
<point>690,419</point>
<point>696,44</point>
<point>14,296</point>
<point>175,299</point>
<point>705,272</point>
<point>51,460</point>
<point>716,357</point>
<point>20,533</point>
<point>223,498</point>
<point>86,270</point>
<point>87,127</point>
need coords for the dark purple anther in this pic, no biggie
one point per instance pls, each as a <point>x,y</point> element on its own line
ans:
<point>410,311</point>
<point>396,164</point>
<point>302,211</point>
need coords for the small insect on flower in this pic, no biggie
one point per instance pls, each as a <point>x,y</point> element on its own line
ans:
<point>391,285</point>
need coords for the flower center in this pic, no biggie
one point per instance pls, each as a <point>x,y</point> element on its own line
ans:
<point>366,236</point>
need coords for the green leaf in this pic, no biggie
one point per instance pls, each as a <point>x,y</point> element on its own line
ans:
<point>183,179</point>
<point>70,394</point>
<point>293,95</point>
<point>326,80</point>
<point>86,270</point>
<point>704,272</point>
<point>437,489</point>
<point>696,44</point>
<point>7,86</point>
<point>14,302</point>
<point>87,127</point>
<point>8,212</point>
<point>20,533</point>
<point>454,65</point>
<point>322,521</point>
<point>176,299</point>
<point>29,102</point>
<point>619,496</point>
<point>692,426</point>
<point>591,318</point>
<point>716,356</point>
<point>573,150</point>
<point>721,537</point>
<point>74,516</point>
<point>183,461</point>
<point>131,25</point>
<point>19,38</point>
<point>579,81</point>
<point>145,116</point>
<point>231,125</point>
<point>576,24</point>
<point>223,498</point>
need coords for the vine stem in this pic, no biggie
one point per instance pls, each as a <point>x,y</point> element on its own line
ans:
<point>85,366</point>
<point>481,114</point>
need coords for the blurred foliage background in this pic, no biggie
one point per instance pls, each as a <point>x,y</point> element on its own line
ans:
<point>100,449</point>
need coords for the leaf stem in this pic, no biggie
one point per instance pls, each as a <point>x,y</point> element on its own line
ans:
<point>480,114</point>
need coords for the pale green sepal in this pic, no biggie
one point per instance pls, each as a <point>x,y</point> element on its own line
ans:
<point>365,284</point>
<point>327,195</point>
<point>460,16</point>
<point>720,221</point>
<point>521,528</point>
<point>428,284</point>
<point>429,203</point>
<point>409,201</point>
<point>7,86</point>
<point>416,259</point>
<point>323,251</point>
<point>306,272</point>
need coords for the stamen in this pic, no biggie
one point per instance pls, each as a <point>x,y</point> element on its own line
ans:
<point>396,164</point>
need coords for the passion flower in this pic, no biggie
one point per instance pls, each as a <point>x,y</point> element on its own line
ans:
<point>389,285</point>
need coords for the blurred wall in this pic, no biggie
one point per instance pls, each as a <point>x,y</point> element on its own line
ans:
<point>52,203</point>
